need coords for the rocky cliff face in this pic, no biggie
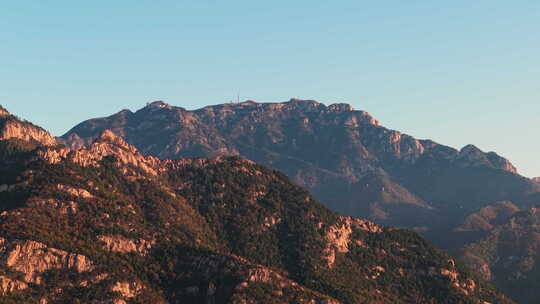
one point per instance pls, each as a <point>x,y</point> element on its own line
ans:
<point>13,127</point>
<point>345,157</point>
<point>107,224</point>
<point>34,258</point>
<point>9,286</point>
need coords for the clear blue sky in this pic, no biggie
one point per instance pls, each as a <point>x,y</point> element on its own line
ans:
<point>457,72</point>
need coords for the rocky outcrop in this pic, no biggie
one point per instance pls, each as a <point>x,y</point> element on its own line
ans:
<point>76,192</point>
<point>12,127</point>
<point>118,243</point>
<point>94,279</point>
<point>462,284</point>
<point>63,207</point>
<point>109,144</point>
<point>8,285</point>
<point>338,236</point>
<point>54,156</point>
<point>106,144</point>
<point>33,258</point>
<point>128,290</point>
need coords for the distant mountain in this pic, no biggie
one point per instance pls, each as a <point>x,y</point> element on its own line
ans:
<point>108,224</point>
<point>509,255</point>
<point>488,217</point>
<point>344,157</point>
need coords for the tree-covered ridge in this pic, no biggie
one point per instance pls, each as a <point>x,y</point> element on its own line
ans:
<point>107,223</point>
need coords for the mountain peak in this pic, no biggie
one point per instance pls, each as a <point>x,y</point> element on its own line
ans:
<point>3,112</point>
<point>471,155</point>
<point>125,111</point>
<point>470,149</point>
<point>107,144</point>
<point>109,136</point>
<point>159,104</point>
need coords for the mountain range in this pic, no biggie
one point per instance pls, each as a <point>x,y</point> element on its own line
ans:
<point>345,157</point>
<point>105,223</point>
<point>348,161</point>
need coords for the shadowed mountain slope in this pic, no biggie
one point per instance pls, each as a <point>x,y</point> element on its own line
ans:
<point>508,255</point>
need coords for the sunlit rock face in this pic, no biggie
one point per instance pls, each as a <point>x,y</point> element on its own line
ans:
<point>33,259</point>
<point>13,127</point>
<point>122,244</point>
